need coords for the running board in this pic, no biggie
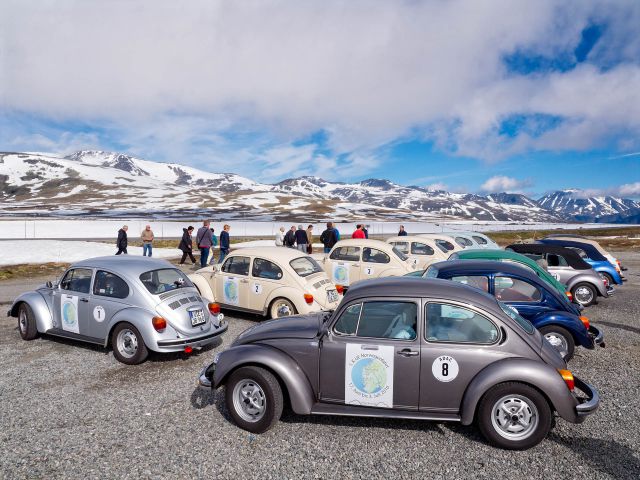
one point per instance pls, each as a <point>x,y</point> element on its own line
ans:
<point>356,411</point>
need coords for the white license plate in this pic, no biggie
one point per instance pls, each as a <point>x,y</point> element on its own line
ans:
<point>332,296</point>
<point>197,317</point>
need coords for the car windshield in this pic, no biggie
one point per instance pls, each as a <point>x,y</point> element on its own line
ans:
<point>513,313</point>
<point>305,266</point>
<point>399,254</point>
<point>164,280</point>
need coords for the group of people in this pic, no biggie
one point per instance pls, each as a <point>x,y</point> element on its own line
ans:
<point>146,236</point>
<point>296,238</point>
<point>206,240</point>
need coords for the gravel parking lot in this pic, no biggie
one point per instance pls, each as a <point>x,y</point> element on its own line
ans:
<point>70,410</point>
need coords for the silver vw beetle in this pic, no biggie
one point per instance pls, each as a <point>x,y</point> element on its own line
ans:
<point>134,304</point>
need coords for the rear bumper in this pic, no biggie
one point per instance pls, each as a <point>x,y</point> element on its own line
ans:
<point>610,291</point>
<point>193,342</point>
<point>596,335</point>
<point>586,406</point>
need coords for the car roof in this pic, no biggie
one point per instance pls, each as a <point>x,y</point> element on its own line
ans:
<point>412,238</point>
<point>593,252</point>
<point>125,264</point>
<point>485,266</point>
<point>488,253</point>
<point>442,236</point>
<point>580,239</point>
<point>275,253</point>
<point>363,242</point>
<point>573,259</point>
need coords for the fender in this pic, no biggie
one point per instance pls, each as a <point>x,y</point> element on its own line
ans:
<point>285,368</point>
<point>203,286</point>
<point>567,321</point>
<point>539,375</point>
<point>136,316</point>
<point>41,309</point>
<point>590,279</point>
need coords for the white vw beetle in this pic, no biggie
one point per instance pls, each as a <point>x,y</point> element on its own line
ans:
<point>275,281</point>
<point>358,259</point>
<point>420,250</point>
<point>446,241</point>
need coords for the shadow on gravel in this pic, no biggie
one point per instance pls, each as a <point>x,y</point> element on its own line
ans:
<point>606,456</point>
<point>635,330</point>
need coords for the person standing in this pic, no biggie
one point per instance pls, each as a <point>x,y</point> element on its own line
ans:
<point>214,243</point>
<point>301,239</point>
<point>329,237</point>
<point>147,240</point>
<point>186,245</point>
<point>310,239</point>
<point>358,233</point>
<point>290,238</point>
<point>225,242</point>
<point>280,237</point>
<point>402,232</point>
<point>365,229</point>
<point>204,242</point>
<point>122,241</point>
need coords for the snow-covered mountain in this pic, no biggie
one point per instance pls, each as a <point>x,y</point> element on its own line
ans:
<point>574,204</point>
<point>115,185</point>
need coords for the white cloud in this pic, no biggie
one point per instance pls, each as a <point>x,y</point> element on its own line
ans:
<point>501,183</point>
<point>437,186</point>
<point>629,190</point>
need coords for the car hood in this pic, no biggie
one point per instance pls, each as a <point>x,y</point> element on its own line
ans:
<point>297,326</point>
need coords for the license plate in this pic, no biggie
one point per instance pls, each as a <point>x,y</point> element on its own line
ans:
<point>332,296</point>
<point>197,317</point>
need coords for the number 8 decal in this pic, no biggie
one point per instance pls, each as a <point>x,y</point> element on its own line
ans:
<point>445,368</point>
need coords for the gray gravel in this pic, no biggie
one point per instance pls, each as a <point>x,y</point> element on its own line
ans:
<point>73,411</point>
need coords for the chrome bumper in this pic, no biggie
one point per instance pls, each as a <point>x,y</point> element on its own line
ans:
<point>596,335</point>
<point>590,404</point>
<point>195,341</point>
<point>203,379</point>
<point>610,290</point>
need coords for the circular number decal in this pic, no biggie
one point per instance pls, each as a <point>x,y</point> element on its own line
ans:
<point>445,368</point>
<point>99,314</point>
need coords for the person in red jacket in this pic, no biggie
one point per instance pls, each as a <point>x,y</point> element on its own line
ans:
<point>359,233</point>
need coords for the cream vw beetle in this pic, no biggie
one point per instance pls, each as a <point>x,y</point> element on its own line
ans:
<point>358,259</point>
<point>275,281</point>
<point>421,251</point>
<point>444,241</point>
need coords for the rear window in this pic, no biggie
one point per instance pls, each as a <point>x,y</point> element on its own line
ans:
<point>164,280</point>
<point>399,254</point>
<point>432,272</point>
<point>479,240</point>
<point>513,313</point>
<point>305,266</point>
<point>444,245</point>
<point>418,248</point>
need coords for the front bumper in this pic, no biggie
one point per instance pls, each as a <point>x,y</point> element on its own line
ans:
<point>596,335</point>
<point>586,406</point>
<point>193,342</point>
<point>610,291</point>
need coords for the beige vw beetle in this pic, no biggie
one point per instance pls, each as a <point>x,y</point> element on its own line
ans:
<point>445,240</point>
<point>421,251</point>
<point>358,259</point>
<point>275,281</point>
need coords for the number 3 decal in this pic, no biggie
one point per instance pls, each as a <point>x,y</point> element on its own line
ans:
<point>445,368</point>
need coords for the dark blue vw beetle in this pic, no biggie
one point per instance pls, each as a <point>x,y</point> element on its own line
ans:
<point>558,320</point>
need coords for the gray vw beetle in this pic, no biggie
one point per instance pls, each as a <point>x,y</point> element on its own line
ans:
<point>404,348</point>
<point>135,304</point>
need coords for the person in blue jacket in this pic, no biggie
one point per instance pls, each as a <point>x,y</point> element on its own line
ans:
<point>224,242</point>
<point>214,243</point>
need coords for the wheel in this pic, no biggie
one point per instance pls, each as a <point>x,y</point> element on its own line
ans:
<point>608,277</point>
<point>128,345</point>
<point>27,322</point>
<point>254,399</point>
<point>561,340</point>
<point>514,416</point>
<point>281,307</point>
<point>585,294</point>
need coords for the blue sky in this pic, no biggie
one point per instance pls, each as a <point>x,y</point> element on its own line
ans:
<point>465,96</point>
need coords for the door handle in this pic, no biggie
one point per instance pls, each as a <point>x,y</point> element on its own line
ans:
<point>356,264</point>
<point>368,347</point>
<point>244,281</point>
<point>84,300</point>
<point>408,353</point>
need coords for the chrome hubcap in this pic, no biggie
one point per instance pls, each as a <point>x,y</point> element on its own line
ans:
<point>22,322</point>
<point>558,342</point>
<point>583,295</point>
<point>127,343</point>
<point>249,400</point>
<point>283,310</point>
<point>514,417</point>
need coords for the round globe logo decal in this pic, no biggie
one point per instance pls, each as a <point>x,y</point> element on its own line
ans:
<point>231,291</point>
<point>69,314</point>
<point>340,274</point>
<point>369,375</point>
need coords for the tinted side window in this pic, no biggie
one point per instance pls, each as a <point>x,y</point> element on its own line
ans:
<point>109,285</point>
<point>554,260</point>
<point>477,281</point>
<point>348,254</point>
<point>348,321</point>
<point>514,290</point>
<point>373,255</point>
<point>450,323</point>
<point>265,269</point>
<point>444,245</point>
<point>402,246</point>
<point>236,265</point>
<point>418,248</point>
<point>479,240</point>
<point>395,320</point>
<point>77,280</point>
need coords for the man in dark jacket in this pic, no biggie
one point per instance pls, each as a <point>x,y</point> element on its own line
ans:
<point>225,242</point>
<point>402,232</point>
<point>186,245</point>
<point>301,239</point>
<point>329,237</point>
<point>204,242</point>
<point>290,238</point>
<point>122,241</point>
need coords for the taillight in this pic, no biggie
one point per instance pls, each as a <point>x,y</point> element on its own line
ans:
<point>567,376</point>
<point>159,324</point>
<point>585,322</point>
<point>188,349</point>
<point>340,289</point>
<point>214,308</point>
<point>308,298</point>
<point>605,281</point>
<point>569,296</point>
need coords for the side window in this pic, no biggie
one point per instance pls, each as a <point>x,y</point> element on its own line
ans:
<point>461,241</point>
<point>402,246</point>
<point>237,265</point>
<point>554,260</point>
<point>479,240</point>
<point>372,255</point>
<point>388,319</point>
<point>444,245</point>
<point>418,248</point>
<point>580,252</point>
<point>265,269</point>
<point>77,280</point>
<point>107,284</point>
<point>478,281</point>
<point>348,321</point>
<point>450,323</point>
<point>347,254</point>
<point>514,290</point>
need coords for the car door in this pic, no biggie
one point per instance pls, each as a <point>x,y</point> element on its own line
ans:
<point>232,284</point>
<point>345,265</point>
<point>558,267</point>
<point>266,276</point>
<point>70,302</point>
<point>457,342</point>
<point>370,356</point>
<point>109,294</point>
<point>374,263</point>
<point>521,294</point>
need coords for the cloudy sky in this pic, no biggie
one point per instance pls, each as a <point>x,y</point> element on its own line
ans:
<point>463,95</point>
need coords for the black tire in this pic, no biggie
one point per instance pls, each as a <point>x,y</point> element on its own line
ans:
<point>126,352</point>
<point>494,420</point>
<point>562,335</point>
<point>269,396</point>
<point>592,292</point>
<point>27,322</point>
